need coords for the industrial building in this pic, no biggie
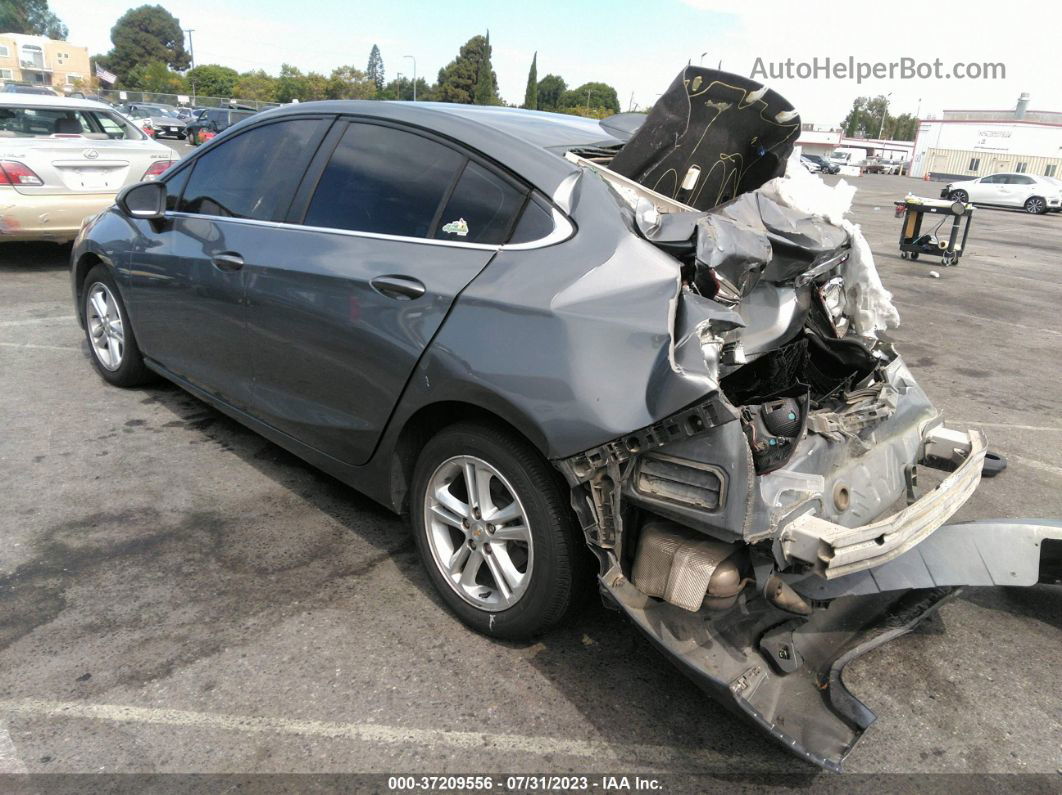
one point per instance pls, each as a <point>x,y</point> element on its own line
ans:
<point>815,140</point>
<point>36,60</point>
<point>965,144</point>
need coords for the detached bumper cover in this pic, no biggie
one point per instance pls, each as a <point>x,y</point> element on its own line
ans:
<point>784,673</point>
<point>835,551</point>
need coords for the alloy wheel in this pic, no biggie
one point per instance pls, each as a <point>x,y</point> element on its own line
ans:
<point>478,533</point>
<point>105,327</point>
<point>1035,205</point>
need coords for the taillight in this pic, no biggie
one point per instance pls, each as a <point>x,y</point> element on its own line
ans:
<point>14,173</point>
<point>156,169</point>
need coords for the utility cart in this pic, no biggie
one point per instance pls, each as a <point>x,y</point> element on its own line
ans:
<point>914,242</point>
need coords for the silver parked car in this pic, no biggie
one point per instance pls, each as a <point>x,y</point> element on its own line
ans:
<point>62,160</point>
<point>565,347</point>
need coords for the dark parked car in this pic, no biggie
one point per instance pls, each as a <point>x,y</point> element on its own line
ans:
<point>539,335</point>
<point>211,121</point>
<point>824,165</point>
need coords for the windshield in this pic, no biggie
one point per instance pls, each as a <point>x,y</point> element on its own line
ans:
<point>35,122</point>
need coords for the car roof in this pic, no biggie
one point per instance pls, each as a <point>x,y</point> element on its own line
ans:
<point>529,142</point>
<point>42,101</point>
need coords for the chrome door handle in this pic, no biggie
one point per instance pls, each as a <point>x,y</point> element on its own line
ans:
<point>401,288</point>
<point>229,261</point>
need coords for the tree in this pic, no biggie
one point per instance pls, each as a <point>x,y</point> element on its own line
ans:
<point>211,80</point>
<point>459,78</point>
<point>347,82</point>
<point>550,90</point>
<point>32,17</point>
<point>256,85</point>
<point>486,81</point>
<point>864,120</point>
<point>293,84</point>
<point>531,92</point>
<point>375,69</point>
<point>589,96</point>
<point>154,76</point>
<point>146,35</point>
<point>402,89</point>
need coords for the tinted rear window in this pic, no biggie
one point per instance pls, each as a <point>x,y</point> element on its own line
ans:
<point>481,208</point>
<point>383,180</point>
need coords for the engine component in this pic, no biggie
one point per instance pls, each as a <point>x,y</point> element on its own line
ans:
<point>678,480</point>
<point>685,570</point>
<point>773,429</point>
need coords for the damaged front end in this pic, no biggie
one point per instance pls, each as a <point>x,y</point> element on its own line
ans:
<point>772,532</point>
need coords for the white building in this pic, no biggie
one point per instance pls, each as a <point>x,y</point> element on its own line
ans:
<point>971,143</point>
<point>822,141</point>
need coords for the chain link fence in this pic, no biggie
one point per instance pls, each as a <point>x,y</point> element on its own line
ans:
<point>115,97</point>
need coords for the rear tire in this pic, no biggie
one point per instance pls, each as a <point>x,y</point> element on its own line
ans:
<point>1035,205</point>
<point>112,344</point>
<point>465,553</point>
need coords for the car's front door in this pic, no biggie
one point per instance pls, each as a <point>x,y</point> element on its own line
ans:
<point>986,189</point>
<point>392,225</point>
<point>187,273</point>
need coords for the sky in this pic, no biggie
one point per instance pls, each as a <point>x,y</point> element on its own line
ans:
<point>638,47</point>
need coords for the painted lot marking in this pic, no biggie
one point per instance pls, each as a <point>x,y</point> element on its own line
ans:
<point>660,755</point>
<point>968,316</point>
<point>34,346</point>
<point>1010,426</point>
<point>1032,463</point>
<point>32,321</point>
<point>9,759</point>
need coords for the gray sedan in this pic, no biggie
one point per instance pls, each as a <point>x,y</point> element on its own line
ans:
<point>564,348</point>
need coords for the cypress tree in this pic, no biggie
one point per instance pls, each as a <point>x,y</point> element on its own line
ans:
<point>531,92</point>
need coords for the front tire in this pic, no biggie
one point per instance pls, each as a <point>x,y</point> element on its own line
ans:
<point>112,344</point>
<point>960,196</point>
<point>495,532</point>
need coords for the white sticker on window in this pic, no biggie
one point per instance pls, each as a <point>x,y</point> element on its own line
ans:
<point>458,227</point>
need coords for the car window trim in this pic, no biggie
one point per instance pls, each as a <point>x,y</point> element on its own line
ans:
<point>563,226</point>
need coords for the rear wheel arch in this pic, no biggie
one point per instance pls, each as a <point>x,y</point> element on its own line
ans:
<point>426,423</point>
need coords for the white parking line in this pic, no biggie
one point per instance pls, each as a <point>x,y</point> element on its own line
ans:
<point>30,321</point>
<point>630,754</point>
<point>9,759</point>
<point>38,347</point>
<point>969,316</point>
<point>1032,463</point>
<point>1008,426</point>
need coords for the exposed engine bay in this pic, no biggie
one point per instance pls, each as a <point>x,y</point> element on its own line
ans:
<point>739,533</point>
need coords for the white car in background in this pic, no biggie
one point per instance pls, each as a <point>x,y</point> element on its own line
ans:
<point>1032,193</point>
<point>62,160</point>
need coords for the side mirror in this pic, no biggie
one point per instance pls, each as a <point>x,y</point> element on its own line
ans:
<point>146,200</point>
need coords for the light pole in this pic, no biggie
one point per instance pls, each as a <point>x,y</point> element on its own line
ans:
<point>191,49</point>
<point>588,99</point>
<point>884,113</point>
<point>414,75</point>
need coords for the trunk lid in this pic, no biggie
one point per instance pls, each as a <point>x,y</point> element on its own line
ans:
<point>77,164</point>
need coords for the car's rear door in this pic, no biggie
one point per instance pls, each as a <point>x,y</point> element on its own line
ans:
<point>393,224</point>
<point>188,272</point>
<point>1019,188</point>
